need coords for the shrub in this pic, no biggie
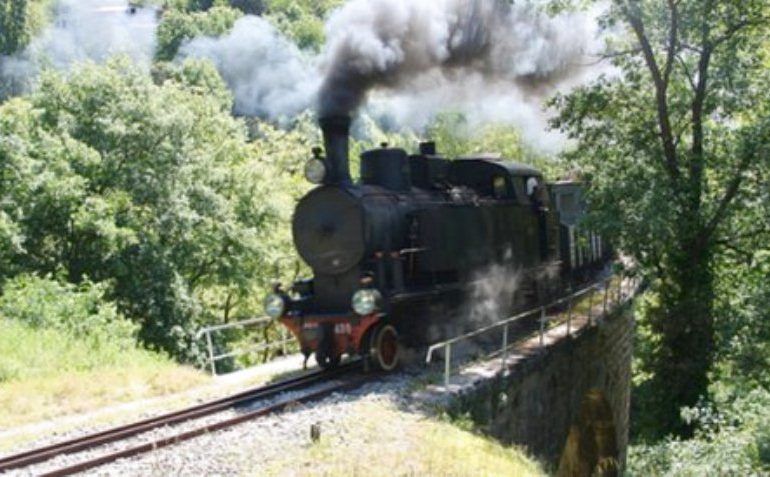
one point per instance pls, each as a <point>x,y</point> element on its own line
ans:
<point>733,438</point>
<point>180,26</point>
<point>81,311</point>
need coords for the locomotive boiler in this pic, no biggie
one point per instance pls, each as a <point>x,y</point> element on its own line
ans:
<point>399,250</point>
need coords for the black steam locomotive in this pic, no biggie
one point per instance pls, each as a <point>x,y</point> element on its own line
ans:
<point>400,250</point>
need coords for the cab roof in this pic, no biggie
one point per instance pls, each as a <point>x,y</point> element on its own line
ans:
<point>495,160</point>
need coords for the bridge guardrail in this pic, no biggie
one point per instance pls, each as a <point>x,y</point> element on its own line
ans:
<point>285,340</point>
<point>623,292</point>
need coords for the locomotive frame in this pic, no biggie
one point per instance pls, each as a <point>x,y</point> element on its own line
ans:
<point>400,251</point>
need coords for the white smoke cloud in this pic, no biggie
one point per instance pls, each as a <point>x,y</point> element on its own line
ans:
<point>407,61</point>
<point>404,60</point>
<point>268,75</point>
<point>480,101</point>
<point>83,30</point>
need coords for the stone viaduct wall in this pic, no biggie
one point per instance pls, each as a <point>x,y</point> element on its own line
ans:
<point>566,403</point>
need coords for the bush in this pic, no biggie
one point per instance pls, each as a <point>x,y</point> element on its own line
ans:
<point>733,438</point>
<point>49,327</point>
<point>81,311</point>
<point>65,349</point>
<point>180,26</point>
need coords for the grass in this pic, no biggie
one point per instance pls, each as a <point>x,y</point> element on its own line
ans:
<point>46,373</point>
<point>381,440</point>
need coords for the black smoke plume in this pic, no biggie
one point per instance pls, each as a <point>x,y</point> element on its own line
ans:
<point>397,43</point>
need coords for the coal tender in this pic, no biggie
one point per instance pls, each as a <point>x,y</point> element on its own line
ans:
<point>398,252</point>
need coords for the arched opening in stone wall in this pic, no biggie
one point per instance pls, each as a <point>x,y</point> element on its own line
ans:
<point>591,448</point>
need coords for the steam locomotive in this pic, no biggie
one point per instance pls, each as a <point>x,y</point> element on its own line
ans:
<point>401,250</point>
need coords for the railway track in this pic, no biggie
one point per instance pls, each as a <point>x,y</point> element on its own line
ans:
<point>343,377</point>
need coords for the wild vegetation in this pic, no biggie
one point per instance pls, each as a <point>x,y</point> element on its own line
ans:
<point>20,21</point>
<point>135,208</point>
<point>406,444</point>
<point>64,346</point>
<point>675,147</point>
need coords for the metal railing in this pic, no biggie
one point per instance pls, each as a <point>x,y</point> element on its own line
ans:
<point>285,340</point>
<point>625,291</point>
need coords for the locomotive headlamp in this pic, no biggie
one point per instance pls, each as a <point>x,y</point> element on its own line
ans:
<point>365,301</point>
<point>274,305</point>
<point>315,171</point>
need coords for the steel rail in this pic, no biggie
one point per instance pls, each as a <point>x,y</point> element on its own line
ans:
<point>108,436</point>
<point>171,440</point>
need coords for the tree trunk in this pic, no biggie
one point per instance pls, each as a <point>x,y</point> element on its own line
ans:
<point>685,326</point>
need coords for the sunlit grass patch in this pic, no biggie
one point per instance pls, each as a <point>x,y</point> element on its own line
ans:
<point>380,440</point>
<point>47,373</point>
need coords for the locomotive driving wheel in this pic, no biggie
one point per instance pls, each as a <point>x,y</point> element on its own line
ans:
<point>385,348</point>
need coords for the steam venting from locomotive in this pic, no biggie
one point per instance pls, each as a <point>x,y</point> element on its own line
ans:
<point>398,44</point>
<point>492,294</point>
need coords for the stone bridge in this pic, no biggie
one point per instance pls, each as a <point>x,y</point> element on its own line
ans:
<point>565,400</point>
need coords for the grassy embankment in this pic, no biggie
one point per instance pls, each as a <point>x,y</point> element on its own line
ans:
<point>46,373</point>
<point>380,440</point>
<point>64,350</point>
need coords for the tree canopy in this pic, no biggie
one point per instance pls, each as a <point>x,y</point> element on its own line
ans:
<point>20,20</point>
<point>675,146</point>
<point>107,176</point>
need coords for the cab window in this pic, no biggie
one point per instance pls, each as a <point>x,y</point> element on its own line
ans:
<point>500,187</point>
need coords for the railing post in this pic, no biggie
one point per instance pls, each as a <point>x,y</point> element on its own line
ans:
<point>447,364</point>
<point>542,327</point>
<point>284,337</point>
<point>569,315</point>
<point>591,306</point>
<point>211,353</point>
<point>606,291</point>
<point>505,345</point>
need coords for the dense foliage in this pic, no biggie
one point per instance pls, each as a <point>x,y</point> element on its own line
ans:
<point>301,21</point>
<point>179,25</point>
<point>675,146</point>
<point>135,205</point>
<point>20,20</point>
<point>152,188</point>
<point>78,310</point>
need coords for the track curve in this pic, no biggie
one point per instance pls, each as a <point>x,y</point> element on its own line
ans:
<point>36,456</point>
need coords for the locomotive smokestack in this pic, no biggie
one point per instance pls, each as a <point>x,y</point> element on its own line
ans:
<point>336,130</point>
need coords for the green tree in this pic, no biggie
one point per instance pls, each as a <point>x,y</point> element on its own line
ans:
<point>674,145</point>
<point>179,26</point>
<point>20,20</point>
<point>13,25</point>
<point>107,176</point>
<point>302,21</point>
